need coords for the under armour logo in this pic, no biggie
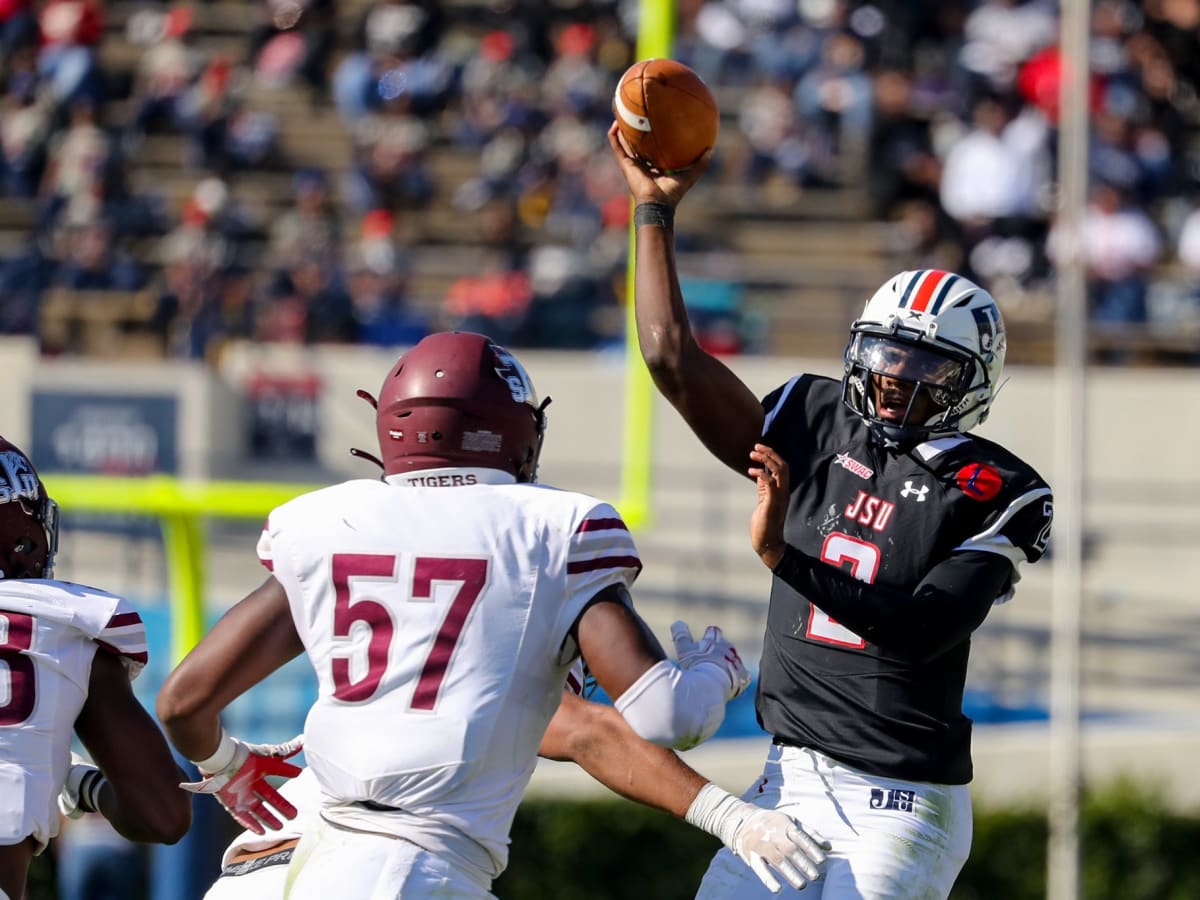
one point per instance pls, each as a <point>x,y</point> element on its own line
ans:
<point>766,831</point>
<point>920,492</point>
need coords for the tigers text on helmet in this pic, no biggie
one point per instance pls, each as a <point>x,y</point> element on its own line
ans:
<point>457,399</point>
<point>28,518</point>
<point>934,330</point>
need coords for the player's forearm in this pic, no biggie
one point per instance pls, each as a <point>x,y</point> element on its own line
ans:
<point>134,781</point>
<point>196,737</point>
<point>14,867</point>
<point>601,742</point>
<point>146,820</point>
<point>247,644</point>
<point>664,331</point>
<point>190,718</point>
<point>717,406</point>
<point>943,610</point>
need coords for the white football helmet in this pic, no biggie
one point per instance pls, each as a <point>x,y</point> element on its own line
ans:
<point>943,333</point>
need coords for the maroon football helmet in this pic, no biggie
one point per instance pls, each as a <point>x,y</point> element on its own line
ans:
<point>457,399</point>
<point>28,518</point>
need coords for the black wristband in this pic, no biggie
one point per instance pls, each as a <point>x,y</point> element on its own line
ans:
<point>661,214</point>
<point>89,791</point>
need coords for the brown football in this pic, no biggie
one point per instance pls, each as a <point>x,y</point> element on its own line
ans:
<point>666,113</point>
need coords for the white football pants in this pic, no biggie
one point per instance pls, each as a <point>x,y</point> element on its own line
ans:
<point>261,884</point>
<point>892,840</point>
<point>332,862</point>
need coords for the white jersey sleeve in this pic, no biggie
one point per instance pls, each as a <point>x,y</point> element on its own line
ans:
<point>49,634</point>
<point>124,634</point>
<point>266,555</point>
<point>600,553</point>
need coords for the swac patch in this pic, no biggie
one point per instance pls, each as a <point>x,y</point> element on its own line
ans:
<point>979,481</point>
<point>853,465</point>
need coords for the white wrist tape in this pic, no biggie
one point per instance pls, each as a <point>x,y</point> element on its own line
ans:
<point>675,707</point>
<point>718,812</point>
<point>222,757</point>
<point>85,781</point>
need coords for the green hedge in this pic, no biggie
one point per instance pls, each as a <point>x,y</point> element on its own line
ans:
<point>1135,848</point>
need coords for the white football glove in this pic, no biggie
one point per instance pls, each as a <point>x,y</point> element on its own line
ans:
<point>768,839</point>
<point>237,774</point>
<point>81,791</point>
<point>764,839</point>
<point>713,649</point>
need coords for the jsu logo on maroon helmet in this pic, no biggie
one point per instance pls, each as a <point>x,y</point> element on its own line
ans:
<point>17,478</point>
<point>514,376</point>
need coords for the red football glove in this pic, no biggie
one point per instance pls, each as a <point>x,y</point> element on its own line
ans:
<point>241,784</point>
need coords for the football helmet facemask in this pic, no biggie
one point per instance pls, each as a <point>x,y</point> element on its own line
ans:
<point>938,332</point>
<point>457,399</point>
<point>28,518</point>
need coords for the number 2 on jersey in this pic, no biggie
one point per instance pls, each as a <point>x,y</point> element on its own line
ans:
<point>863,557</point>
<point>471,576</point>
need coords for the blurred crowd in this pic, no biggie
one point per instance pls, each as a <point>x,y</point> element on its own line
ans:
<point>945,112</point>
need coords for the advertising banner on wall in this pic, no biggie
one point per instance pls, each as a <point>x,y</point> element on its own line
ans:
<point>105,433</point>
<point>283,418</point>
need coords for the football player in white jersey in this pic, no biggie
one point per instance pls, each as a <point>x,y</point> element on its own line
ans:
<point>595,736</point>
<point>441,608</point>
<point>69,654</point>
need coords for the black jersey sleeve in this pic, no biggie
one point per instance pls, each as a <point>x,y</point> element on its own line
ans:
<point>798,415</point>
<point>1020,530</point>
<point>948,604</point>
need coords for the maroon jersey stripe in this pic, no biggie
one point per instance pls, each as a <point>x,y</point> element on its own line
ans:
<point>141,656</point>
<point>603,562</point>
<point>601,525</point>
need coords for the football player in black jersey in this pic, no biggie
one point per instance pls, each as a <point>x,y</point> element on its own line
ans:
<point>891,532</point>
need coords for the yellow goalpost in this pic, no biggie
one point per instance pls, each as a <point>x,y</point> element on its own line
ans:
<point>180,506</point>
<point>656,33</point>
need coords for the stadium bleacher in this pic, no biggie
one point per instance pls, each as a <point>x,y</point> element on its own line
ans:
<point>805,253</point>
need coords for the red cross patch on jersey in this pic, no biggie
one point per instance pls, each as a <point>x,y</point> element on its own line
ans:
<point>979,481</point>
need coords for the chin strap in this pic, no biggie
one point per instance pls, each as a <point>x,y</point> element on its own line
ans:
<point>363,454</point>
<point>540,414</point>
<point>370,457</point>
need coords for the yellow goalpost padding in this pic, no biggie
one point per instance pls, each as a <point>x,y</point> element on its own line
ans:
<point>656,34</point>
<point>180,506</point>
